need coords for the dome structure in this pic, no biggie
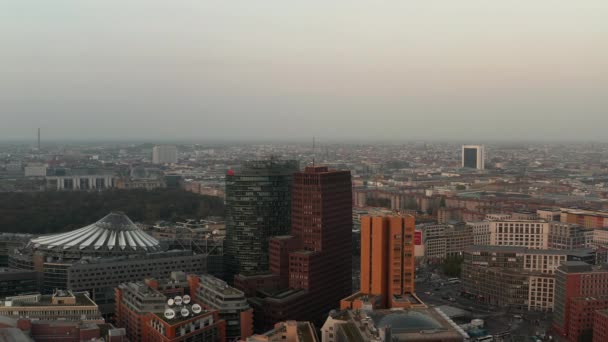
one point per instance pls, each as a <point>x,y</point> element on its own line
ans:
<point>115,233</point>
<point>402,321</point>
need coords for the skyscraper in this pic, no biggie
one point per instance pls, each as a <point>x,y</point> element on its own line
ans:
<point>387,263</point>
<point>164,154</point>
<point>473,156</point>
<point>311,268</point>
<point>322,222</point>
<point>258,207</point>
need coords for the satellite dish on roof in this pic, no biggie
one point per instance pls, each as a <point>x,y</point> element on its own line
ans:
<point>186,299</point>
<point>196,308</point>
<point>170,302</point>
<point>185,312</point>
<point>169,314</point>
<point>177,300</point>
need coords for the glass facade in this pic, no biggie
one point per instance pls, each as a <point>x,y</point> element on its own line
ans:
<point>258,207</point>
<point>470,157</point>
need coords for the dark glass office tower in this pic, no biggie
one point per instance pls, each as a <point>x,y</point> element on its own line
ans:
<point>470,158</point>
<point>258,207</point>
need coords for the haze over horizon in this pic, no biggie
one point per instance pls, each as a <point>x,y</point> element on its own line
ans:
<point>277,70</point>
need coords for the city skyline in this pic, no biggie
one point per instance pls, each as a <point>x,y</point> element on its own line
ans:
<point>346,70</point>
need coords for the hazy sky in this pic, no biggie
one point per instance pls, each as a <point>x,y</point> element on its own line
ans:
<point>281,69</point>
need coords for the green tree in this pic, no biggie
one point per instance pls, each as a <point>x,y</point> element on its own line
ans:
<point>452,266</point>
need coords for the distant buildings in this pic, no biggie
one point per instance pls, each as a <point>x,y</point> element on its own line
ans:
<point>258,207</point>
<point>585,218</point>
<point>80,179</point>
<point>473,157</point>
<point>290,331</point>
<point>387,264</point>
<point>35,170</point>
<point>164,154</point>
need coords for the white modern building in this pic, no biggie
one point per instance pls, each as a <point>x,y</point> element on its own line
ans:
<point>524,233</point>
<point>35,170</point>
<point>473,156</point>
<point>164,154</point>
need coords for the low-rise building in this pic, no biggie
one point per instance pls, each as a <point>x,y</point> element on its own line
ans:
<point>14,281</point>
<point>412,325</point>
<point>567,236</point>
<point>80,179</point>
<point>600,238</point>
<point>444,240</point>
<point>515,277</point>
<point>481,232</point>
<point>524,233</point>
<point>231,304</point>
<point>185,324</point>
<point>133,303</point>
<point>61,305</point>
<point>290,331</point>
<point>587,218</point>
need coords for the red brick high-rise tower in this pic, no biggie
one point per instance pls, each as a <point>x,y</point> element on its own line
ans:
<point>321,221</point>
<point>310,269</point>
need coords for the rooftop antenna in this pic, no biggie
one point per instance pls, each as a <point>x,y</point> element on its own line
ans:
<point>38,139</point>
<point>313,151</point>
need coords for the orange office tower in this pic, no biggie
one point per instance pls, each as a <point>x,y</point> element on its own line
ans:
<point>387,263</point>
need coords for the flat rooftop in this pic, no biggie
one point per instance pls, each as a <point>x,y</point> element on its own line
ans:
<point>524,250</point>
<point>47,300</point>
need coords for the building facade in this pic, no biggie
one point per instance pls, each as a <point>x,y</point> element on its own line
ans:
<point>514,277</point>
<point>473,156</point>
<point>575,279</point>
<point>387,263</point>
<point>80,179</point>
<point>230,303</point>
<point>524,233</point>
<point>412,325</point>
<point>442,240</point>
<point>584,309</point>
<point>592,219</point>
<point>289,331</point>
<point>133,303</point>
<point>258,207</point>
<point>567,236</point>
<point>313,265</point>
<point>164,154</point>
<point>61,305</point>
<point>15,281</point>
<point>600,326</point>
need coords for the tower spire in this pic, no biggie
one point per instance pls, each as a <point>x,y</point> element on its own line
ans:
<point>313,151</point>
